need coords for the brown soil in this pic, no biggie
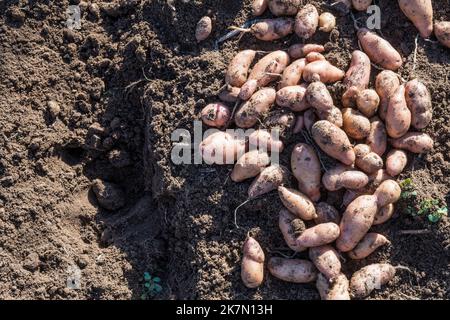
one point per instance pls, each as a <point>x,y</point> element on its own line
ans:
<point>123,83</point>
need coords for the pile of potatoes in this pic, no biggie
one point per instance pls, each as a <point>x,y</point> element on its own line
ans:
<point>368,131</point>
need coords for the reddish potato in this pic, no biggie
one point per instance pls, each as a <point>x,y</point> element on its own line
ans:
<point>418,100</point>
<point>252,266</point>
<point>297,203</point>
<point>250,165</point>
<point>305,166</point>
<point>369,278</point>
<point>292,270</point>
<point>420,12</point>
<point>301,50</point>
<point>366,160</point>
<point>263,140</point>
<point>327,22</point>
<point>221,148</point>
<point>306,21</point>
<point>377,139</point>
<point>326,260</point>
<point>326,71</point>
<point>367,102</point>
<point>442,32</point>
<point>368,244</point>
<point>396,161</point>
<point>215,115</point>
<point>361,5</point>
<point>271,29</point>
<point>355,124</point>
<point>384,214</point>
<point>280,119</point>
<point>333,115</point>
<point>237,71</point>
<point>344,177</point>
<point>292,97</point>
<point>203,29</point>
<point>319,97</point>
<point>388,192</point>
<point>250,111</point>
<point>284,7</point>
<point>229,94</point>
<point>415,142</point>
<point>269,179</point>
<point>398,116</point>
<point>379,50</point>
<point>319,235</point>
<point>357,77</point>
<point>259,6</point>
<point>291,227</point>
<point>386,84</point>
<point>314,56</point>
<point>378,177</point>
<point>299,125</point>
<point>326,213</point>
<point>292,74</point>
<point>333,289</point>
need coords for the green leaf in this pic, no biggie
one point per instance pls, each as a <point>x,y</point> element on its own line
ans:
<point>157,288</point>
<point>144,296</point>
<point>147,276</point>
<point>434,218</point>
<point>156,279</point>
<point>147,285</point>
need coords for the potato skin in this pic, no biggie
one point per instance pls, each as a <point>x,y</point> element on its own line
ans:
<point>333,115</point>
<point>299,124</point>
<point>314,56</point>
<point>344,177</point>
<point>326,213</point>
<point>319,235</point>
<point>250,111</point>
<point>269,179</point>
<point>356,221</point>
<point>368,102</point>
<point>284,7</point>
<point>229,94</point>
<point>371,242</point>
<point>377,138</point>
<point>203,28</point>
<point>237,71</point>
<point>291,227</point>
<point>327,22</point>
<point>356,78</point>
<point>442,32</point>
<point>396,161</point>
<point>333,141</point>
<point>326,260</point>
<point>369,278</point>
<point>336,288</point>
<point>249,165</point>
<point>272,29</point>
<point>301,50</point>
<point>263,140</point>
<point>221,148</point>
<point>366,160</point>
<point>326,71</point>
<point>388,192</point>
<point>355,124</point>
<point>379,50</point>
<point>297,203</point>
<point>361,5</point>
<point>252,265</point>
<point>306,21</point>
<point>282,120</point>
<point>415,142</point>
<point>259,6</point>
<point>215,115</point>
<point>292,74</point>
<point>292,270</point>
<point>319,97</point>
<point>309,118</point>
<point>306,169</point>
<point>384,214</point>
<point>398,116</point>
<point>420,12</point>
<point>386,84</point>
<point>418,100</point>
<point>292,97</point>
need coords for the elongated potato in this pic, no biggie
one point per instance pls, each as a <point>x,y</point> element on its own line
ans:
<point>203,28</point>
<point>386,84</point>
<point>361,5</point>
<point>333,141</point>
<point>305,166</point>
<point>371,242</point>
<point>252,266</point>
<point>221,148</point>
<point>379,50</point>
<point>301,50</point>
<point>250,111</point>
<point>272,29</point>
<point>418,100</point>
<point>367,102</point>
<point>366,160</point>
<point>396,161</point>
<point>442,32</point>
<point>326,71</point>
<point>319,97</point>
<point>355,124</point>
<point>314,56</point>
<point>264,72</point>
<point>384,214</point>
<point>297,203</point>
<point>344,177</point>
<point>333,115</point>
<point>284,7</point>
<point>266,141</point>
<point>292,97</point>
<point>327,22</point>
<point>229,94</point>
<point>291,227</point>
<point>369,278</point>
<point>331,178</point>
<point>250,165</point>
<point>216,115</point>
<point>309,118</point>
<point>269,179</point>
<point>415,142</point>
<point>398,116</point>
<point>357,77</point>
<point>356,221</point>
<point>327,213</point>
<point>420,12</point>
<point>333,289</point>
<point>388,192</point>
<point>259,6</point>
<point>377,138</point>
<point>326,260</point>
<point>306,21</point>
<point>299,124</point>
<point>237,71</point>
<point>319,235</point>
<point>292,270</point>
<point>280,119</point>
<point>292,74</point>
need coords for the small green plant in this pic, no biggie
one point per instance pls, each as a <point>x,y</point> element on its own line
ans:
<point>152,286</point>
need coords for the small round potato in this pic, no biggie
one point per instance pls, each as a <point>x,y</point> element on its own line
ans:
<point>356,125</point>
<point>216,115</point>
<point>396,161</point>
<point>327,22</point>
<point>367,102</point>
<point>203,29</point>
<point>388,192</point>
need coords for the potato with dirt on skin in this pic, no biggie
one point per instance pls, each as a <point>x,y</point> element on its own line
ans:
<point>442,32</point>
<point>252,265</point>
<point>355,124</point>
<point>333,115</point>
<point>203,28</point>
<point>250,165</point>
<point>264,140</point>
<point>326,72</point>
<point>388,192</point>
<point>292,97</point>
<point>280,119</point>
<point>269,179</point>
<point>216,115</point>
<point>327,22</point>
<point>314,56</point>
<point>259,6</point>
<point>318,96</point>
<point>297,203</point>
<point>377,138</point>
<point>384,214</point>
<point>284,7</point>
<point>238,68</point>
<point>396,162</point>
<point>306,169</point>
<point>356,78</point>
<point>326,260</point>
<point>292,270</point>
<point>415,142</point>
<point>356,221</point>
<point>301,50</point>
<point>366,160</point>
<point>369,278</point>
<point>319,235</point>
<point>344,177</point>
<point>221,148</point>
<point>291,227</point>
<point>336,288</point>
<point>333,141</point>
<point>229,94</point>
<point>386,84</point>
<point>306,22</point>
<point>418,100</point>
<point>371,242</point>
<point>379,50</point>
<point>252,110</point>
<point>361,5</point>
<point>309,118</point>
<point>367,102</point>
<point>420,12</point>
<point>271,29</point>
<point>292,74</point>
<point>327,213</point>
<point>398,116</point>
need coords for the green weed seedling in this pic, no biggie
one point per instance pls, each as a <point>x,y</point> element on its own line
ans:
<point>151,287</point>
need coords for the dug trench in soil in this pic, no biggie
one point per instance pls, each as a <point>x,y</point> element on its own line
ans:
<point>124,82</point>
